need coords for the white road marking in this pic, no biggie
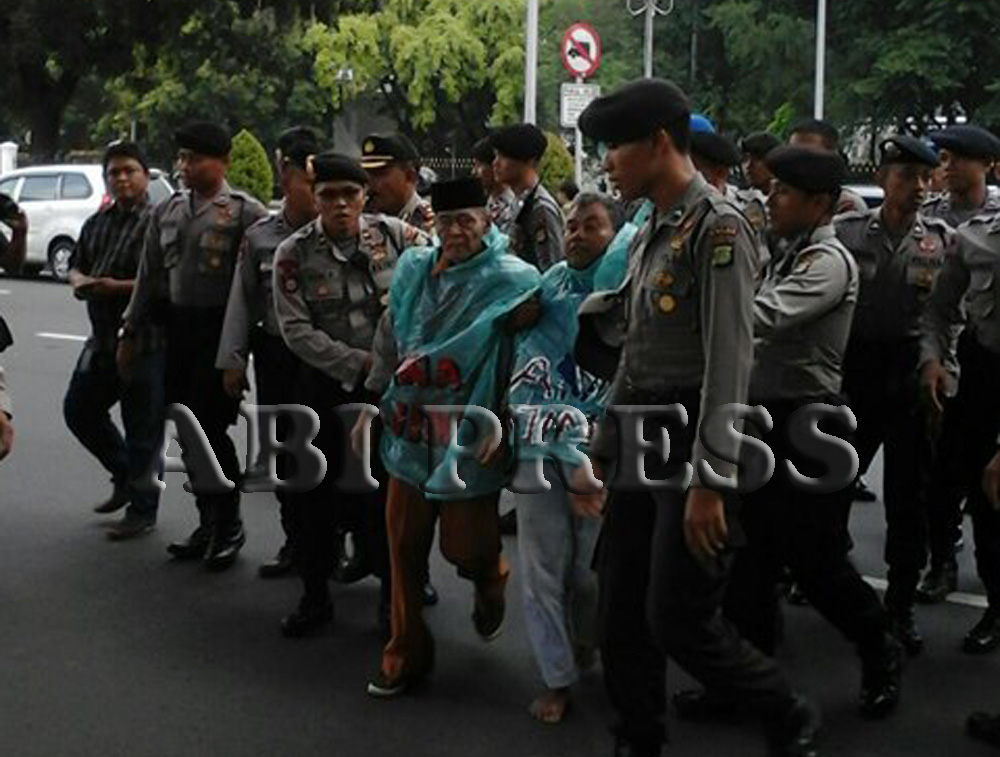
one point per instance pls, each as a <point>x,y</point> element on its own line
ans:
<point>956,597</point>
<point>64,337</point>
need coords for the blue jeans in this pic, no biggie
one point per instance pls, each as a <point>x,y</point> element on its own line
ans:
<point>93,389</point>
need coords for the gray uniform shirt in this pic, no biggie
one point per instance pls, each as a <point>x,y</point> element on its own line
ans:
<point>251,298</point>
<point>971,271</point>
<point>753,203</point>
<point>943,208</point>
<point>502,207</point>
<point>328,302</point>
<point>5,404</point>
<point>190,252</point>
<point>896,275</point>
<point>418,213</point>
<point>690,314</point>
<point>802,320</point>
<point>536,234</point>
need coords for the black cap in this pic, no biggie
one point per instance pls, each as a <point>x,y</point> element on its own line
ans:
<point>715,148</point>
<point>634,111</point>
<point>824,129</point>
<point>902,148</point>
<point>378,151</point>
<point>332,166</point>
<point>457,194</point>
<point>204,138</point>
<point>295,145</point>
<point>520,142</point>
<point>759,144</point>
<point>483,151</point>
<point>122,148</point>
<point>968,140</point>
<point>811,171</point>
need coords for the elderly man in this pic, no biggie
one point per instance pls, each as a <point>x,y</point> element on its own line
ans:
<point>102,272</point>
<point>443,342</point>
<point>556,546</point>
<point>331,279</point>
<point>392,163</point>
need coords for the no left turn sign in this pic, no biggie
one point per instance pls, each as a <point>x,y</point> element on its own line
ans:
<point>581,50</point>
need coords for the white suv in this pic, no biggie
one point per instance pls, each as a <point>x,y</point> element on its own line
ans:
<point>57,200</point>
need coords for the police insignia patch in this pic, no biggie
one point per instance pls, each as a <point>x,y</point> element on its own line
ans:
<point>805,260</point>
<point>541,235</point>
<point>722,255</point>
<point>368,147</point>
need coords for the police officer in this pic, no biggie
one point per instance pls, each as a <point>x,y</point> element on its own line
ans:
<point>537,231</point>
<point>331,281</point>
<point>186,271</point>
<point>968,153</point>
<point>817,134</point>
<point>755,148</point>
<point>802,317</point>
<point>251,325</point>
<point>970,274</point>
<point>500,200</point>
<point>899,252</point>
<point>664,555</point>
<point>392,163</point>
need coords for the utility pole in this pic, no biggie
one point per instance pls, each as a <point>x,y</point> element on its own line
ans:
<point>531,62</point>
<point>650,10</point>
<point>820,59</point>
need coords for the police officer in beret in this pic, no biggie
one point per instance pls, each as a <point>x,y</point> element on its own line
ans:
<point>537,232</point>
<point>251,326</point>
<point>802,321</point>
<point>755,148</point>
<point>965,293</point>
<point>664,555</point>
<point>817,134</point>
<point>899,252</point>
<point>393,163</point>
<point>331,284</point>
<point>190,252</point>
<point>500,200</point>
<point>968,154</point>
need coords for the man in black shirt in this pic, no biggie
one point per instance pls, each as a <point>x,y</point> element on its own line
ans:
<point>102,271</point>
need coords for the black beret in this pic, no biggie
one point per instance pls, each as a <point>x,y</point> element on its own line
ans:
<point>817,126</point>
<point>332,166</point>
<point>715,148</point>
<point>483,151</point>
<point>378,151</point>
<point>457,194</point>
<point>811,171</point>
<point>759,144</point>
<point>205,138</point>
<point>968,140</point>
<point>520,142</point>
<point>124,149</point>
<point>295,145</point>
<point>634,111</point>
<point>902,148</point>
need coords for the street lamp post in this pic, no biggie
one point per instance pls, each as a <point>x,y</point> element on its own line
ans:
<point>531,62</point>
<point>820,59</point>
<point>651,11</point>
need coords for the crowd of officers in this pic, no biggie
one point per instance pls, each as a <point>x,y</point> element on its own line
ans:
<point>785,292</point>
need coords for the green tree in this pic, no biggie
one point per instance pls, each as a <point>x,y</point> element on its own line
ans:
<point>249,168</point>
<point>556,164</point>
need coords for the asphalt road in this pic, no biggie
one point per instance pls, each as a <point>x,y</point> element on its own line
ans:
<point>110,649</point>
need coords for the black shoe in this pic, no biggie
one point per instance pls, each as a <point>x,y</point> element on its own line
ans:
<point>309,617</point>
<point>862,493</point>
<point>430,595</point>
<point>796,733</point>
<point>508,523</point>
<point>352,562</point>
<point>192,548</point>
<point>281,565</point>
<point>698,706</point>
<point>903,626</point>
<point>938,582</point>
<point>118,499</point>
<point>225,544</point>
<point>796,596</point>
<point>985,636</point>
<point>984,727</point>
<point>488,619</point>
<point>131,526</point>
<point>881,674</point>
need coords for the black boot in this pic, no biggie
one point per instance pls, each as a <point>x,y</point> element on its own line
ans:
<point>313,613</point>
<point>118,499</point>
<point>192,548</point>
<point>938,582</point>
<point>281,565</point>
<point>226,542</point>
<point>985,636</point>
<point>881,674</point>
<point>903,626</point>
<point>796,732</point>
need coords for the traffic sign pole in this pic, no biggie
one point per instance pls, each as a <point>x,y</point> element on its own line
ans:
<point>578,151</point>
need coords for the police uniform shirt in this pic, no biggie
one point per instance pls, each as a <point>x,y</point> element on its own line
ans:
<point>536,235</point>
<point>802,320</point>
<point>501,207</point>
<point>328,301</point>
<point>753,203</point>
<point>971,271</point>
<point>690,313</point>
<point>6,406</point>
<point>418,213</point>
<point>190,251</point>
<point>251,298</point>
<point>896,275</point>
<point>942,207</point>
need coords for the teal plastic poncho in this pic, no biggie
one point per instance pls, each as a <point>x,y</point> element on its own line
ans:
<point>546,376</point>
<point>614,263</point>
<point>450,339</point>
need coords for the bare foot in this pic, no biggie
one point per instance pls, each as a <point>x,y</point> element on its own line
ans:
<point>551,706</point>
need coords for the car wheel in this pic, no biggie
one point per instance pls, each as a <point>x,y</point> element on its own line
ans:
<point>59,254</point>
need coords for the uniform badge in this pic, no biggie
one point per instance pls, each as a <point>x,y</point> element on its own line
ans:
<point>680,236</point>
<point>722,236</point>
<point>924,278</point>
<point>927,246</point>
<point>667,304</point>
<point>541,235</point>
<point>215,261</point>
<point>224,213</point>
<point>722,255</point>
<point>805,261</point>
<point>368,148</point>
<point>322,290</point>
<point>663,279</point>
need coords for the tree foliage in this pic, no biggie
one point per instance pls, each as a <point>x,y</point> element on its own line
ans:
<point>249,168</point>
<point>556,164</point>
